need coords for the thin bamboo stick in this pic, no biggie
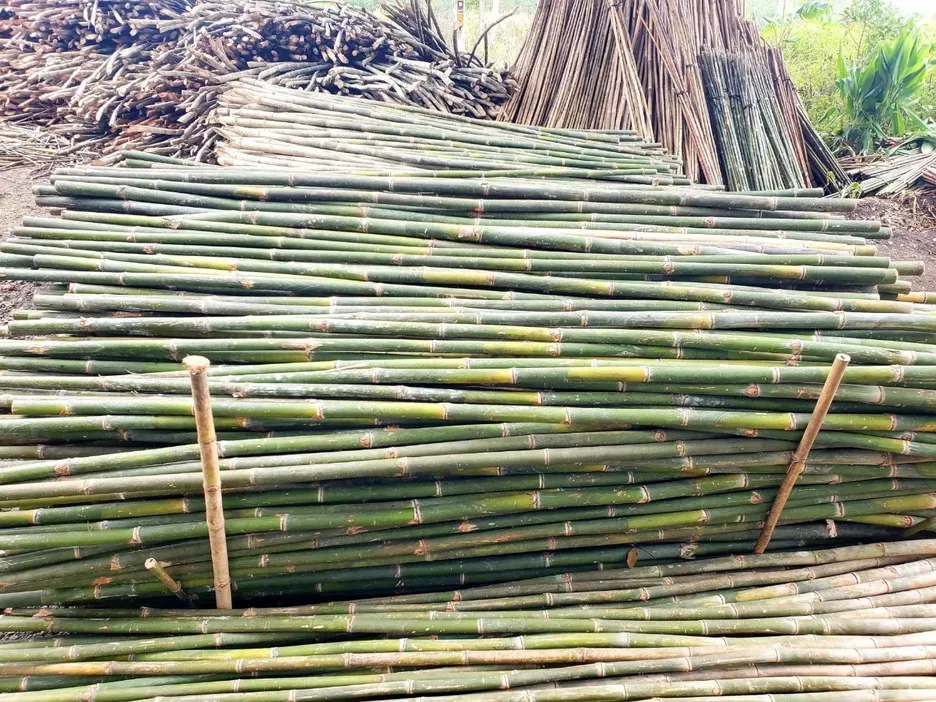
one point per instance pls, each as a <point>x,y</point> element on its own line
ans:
<point>798,464</point>
<point>211,476</point>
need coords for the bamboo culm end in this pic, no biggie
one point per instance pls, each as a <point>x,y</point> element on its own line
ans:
<point>196,364</point>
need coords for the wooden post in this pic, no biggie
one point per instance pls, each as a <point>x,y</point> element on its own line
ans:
<point>174,586</point>
<point>459,24</point>
<point>798,464</point>
<point>211,478</point>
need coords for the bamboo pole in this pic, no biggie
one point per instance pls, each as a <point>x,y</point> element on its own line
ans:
<point>174,586</point>
<point>211,476</point>
<point>798,464</point>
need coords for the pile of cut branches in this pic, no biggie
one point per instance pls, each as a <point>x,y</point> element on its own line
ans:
<point>145,77</point>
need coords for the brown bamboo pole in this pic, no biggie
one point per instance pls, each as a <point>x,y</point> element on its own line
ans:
<point>798,464</point>
<point>174,586</point>
<point>211,473</point>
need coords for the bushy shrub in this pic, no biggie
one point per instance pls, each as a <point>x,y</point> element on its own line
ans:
<point>843,57</point>
<point>881,95</point>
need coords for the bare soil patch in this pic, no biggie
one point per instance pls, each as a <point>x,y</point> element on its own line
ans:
<point>913,221</point>
<point>16,202</point>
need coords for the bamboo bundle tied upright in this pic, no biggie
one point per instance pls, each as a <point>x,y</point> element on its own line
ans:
<point>211,475</point>
<point>659,78</point>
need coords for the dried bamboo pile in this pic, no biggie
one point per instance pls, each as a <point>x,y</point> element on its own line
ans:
<point>892,175</point>
<point>70,25</point>
<point>637,64</point>
<point>141,75</point>
<point>852,624</point>
<point>36,146</point>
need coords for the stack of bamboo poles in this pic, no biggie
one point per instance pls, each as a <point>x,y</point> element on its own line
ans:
<point>637,64</point>
<point>433,377</point>
<point>456,353</point>
<point>264,125</point>
<point>853,624</point>
<point>896,174</point>
<point>70,25</point>
<point>502,411</point>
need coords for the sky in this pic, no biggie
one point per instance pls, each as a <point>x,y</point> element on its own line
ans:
<point>923,7</point>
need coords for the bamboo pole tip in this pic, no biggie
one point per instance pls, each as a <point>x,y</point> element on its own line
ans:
<point>196,364</point>
<point>843,358</point>
<point>150,563</point>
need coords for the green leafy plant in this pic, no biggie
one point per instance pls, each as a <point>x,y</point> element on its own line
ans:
<point>880,97</point>
<point>816,11</point>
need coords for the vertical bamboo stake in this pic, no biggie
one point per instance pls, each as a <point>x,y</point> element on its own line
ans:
<point>798,464</point>
<point>174,586</point>
<point>459,24</point>
<point>211,474</point>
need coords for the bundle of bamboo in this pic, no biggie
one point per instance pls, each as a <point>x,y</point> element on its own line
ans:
<point>146,75</point>
<point>450,352</point>
<point>756,151</point>
<point>528,361</point>
<point>774,627</point>
<point>638,64</point>
<point>260,124</point>
<point>494,402</point>
<point>901,172</point>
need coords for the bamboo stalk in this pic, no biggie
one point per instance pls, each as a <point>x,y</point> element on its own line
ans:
<point>174,586</point>
<point>211,476</point>
<point>798,464</point>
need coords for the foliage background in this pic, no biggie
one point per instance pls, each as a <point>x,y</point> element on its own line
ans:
<point>857,29</point>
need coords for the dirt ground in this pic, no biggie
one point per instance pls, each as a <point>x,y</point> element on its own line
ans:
<point>16,202</point>
<point>913,221</point>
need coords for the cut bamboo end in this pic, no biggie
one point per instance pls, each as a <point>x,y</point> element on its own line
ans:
<point>196,364</point>
<point>174,586</point>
